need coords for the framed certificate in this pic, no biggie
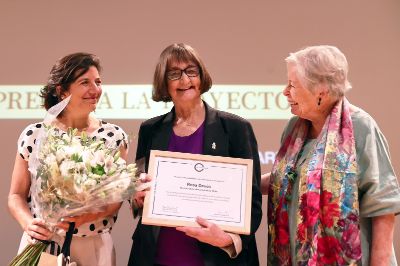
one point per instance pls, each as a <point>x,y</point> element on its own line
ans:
<point>185,186</point>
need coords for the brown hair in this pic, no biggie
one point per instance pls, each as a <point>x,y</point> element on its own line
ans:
<point>177,52</point>
<point>64,72</point>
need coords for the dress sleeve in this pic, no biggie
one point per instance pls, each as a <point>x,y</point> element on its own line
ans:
<point>27,140</point>
<point>378,185</point>
<point>124,139</point>
<point>113,135</point>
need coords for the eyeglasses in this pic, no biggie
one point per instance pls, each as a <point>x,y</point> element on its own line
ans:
<point>176,74</point>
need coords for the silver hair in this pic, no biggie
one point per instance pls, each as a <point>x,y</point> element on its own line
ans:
<point>323,64</point>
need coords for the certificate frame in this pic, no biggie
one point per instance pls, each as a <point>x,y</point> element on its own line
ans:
<point>215,200</point>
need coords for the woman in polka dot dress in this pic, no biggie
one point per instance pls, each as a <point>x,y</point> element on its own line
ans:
<point>76,75</point>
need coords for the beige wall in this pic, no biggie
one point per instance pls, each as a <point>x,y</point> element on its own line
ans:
<point>241,42</point>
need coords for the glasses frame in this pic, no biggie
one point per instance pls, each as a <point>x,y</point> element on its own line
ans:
<point>183,71</point>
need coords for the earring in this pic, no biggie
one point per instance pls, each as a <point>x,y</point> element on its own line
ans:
<point>319,101</point>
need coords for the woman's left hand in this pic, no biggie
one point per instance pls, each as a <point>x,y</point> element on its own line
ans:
<point>209,233</point>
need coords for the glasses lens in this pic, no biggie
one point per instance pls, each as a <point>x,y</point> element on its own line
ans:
<point>192,71</point>
<point>174,74</point>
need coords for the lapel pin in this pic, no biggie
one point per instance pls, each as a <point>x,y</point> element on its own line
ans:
<point>213,146</point>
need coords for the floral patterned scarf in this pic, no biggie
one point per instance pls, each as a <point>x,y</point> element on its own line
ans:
<point>328,215</point>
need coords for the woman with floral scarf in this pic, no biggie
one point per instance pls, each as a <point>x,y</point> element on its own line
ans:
<point>333,193</point>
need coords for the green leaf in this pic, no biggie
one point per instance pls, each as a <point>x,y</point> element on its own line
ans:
<point>116,156</point>
<point>76,158</point>
<point>98,170</point>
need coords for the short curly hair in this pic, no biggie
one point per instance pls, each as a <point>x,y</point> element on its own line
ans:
<point>177,52</point>
<point>322,64</point>
<point>64,72</point>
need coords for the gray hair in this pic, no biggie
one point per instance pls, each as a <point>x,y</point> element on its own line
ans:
<point>322,64</point>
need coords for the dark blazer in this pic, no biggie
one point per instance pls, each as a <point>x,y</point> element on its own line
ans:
<point>234,137</point>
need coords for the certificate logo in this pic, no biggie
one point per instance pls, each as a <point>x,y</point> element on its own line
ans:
<point>199,167</point>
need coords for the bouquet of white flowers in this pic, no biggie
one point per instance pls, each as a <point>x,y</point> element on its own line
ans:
<point>74,174</point>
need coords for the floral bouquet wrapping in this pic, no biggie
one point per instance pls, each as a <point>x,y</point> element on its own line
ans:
<point>74,174</point>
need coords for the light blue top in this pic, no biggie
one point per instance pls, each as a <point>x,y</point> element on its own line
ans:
<point>379,191</point>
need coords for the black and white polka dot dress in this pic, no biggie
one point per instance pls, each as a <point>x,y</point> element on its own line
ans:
<point>112,135</point>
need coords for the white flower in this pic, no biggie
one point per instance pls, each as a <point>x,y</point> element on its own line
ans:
<point>87,155</point>
<point>60,155</point>
<point>113,170</point>
<point>108,163</point>
<point>50,159</point>
<point>80,167</point>
<point>84,177</point>
<point>90,183</point>
<point>54,170</point>
<point>120,162</point>
<point>69,150</point>
<point>98,158</point>
<point>67,167</point>
<point>65,137</point>
<point>78,188</point>
<point>94,176</point>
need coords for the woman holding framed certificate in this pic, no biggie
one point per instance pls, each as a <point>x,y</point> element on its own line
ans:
<point>194,127</point>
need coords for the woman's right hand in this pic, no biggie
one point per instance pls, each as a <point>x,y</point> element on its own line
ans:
<point>143,186</point>
<point>36,229</point>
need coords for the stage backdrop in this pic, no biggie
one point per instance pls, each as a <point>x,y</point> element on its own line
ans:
<point>243,44</point>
